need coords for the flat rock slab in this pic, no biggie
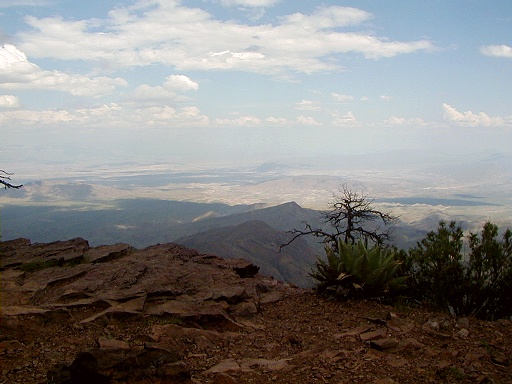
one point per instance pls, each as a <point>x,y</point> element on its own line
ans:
<point>107,365</point>
<point>105,253</point>
<point>13,310</point>
<point>229,365</point>
<point>384,344</point>
<point>373,335</point>
<point>119,281</point>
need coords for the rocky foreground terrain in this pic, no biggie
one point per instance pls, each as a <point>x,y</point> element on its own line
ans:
<point>71,313</point>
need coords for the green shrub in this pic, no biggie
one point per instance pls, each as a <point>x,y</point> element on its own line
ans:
<point>478,284</point>
<point>356,271</point>
<point>37,265</point>
<point>489,275</point>
<point>434,266</point>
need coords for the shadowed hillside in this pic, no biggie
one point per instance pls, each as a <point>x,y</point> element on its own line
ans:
<point>259,243</point>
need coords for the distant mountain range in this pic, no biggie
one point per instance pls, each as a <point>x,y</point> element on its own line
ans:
<point>241,231</point>
<point>130,203</point>
<point>142,222</point>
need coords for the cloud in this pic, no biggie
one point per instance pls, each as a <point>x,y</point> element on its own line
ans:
<point>470,119</point>
<point>180,83</point>
<point>398,121</point>
<point>280,121</point>
<point>307,105</point>
<point>307,120</point>
<point>341,97</point>
<point>149,94</point>
<point>9,101</point>
<point>170,117</point>
<point>348,119</point>
<point>328,17</point>
<point>249,3</point>
<point>18,73</point>
<point>497,50</point>
<point>155,32</point>
<point>253,9</point>
<point>242,121</point>
<point>103,114</point>
<point>110,116</point>
<point>165,92</point>
<point>385,97</point>
<point>26,117</point>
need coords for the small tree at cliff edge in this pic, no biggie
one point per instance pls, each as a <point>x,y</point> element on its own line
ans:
<point>351,219</point>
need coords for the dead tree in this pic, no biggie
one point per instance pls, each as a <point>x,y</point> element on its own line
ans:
<point>352,218</point>
<point>5,180</point>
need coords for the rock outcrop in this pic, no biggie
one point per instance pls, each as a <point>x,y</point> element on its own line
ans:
<point>71,313</point>
<point>121,281</point>
<point>72,283</point>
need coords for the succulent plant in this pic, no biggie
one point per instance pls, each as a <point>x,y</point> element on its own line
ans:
<point>355,270</point>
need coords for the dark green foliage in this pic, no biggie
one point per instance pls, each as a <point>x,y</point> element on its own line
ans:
<point>490,273</point>
<point>353,270</point>
<point>38,264</point>
<point>478,284</point>
<point>435,266</point>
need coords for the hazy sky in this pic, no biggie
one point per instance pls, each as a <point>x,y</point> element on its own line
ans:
<point>101,81</point>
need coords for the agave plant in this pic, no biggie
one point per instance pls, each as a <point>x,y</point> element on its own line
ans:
<point>356,271</point>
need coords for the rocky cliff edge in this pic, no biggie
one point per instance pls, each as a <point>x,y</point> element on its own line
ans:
<point>71,313</point>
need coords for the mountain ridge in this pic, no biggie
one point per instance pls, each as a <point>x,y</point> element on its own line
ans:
<point>258,242</point>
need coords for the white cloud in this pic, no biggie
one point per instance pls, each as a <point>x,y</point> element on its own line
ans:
<point>147,93</point>
<point>341,97</point>
<point>328,17</point>
<point>9,101</point>
<point>250,3</point>
<point>307,120</point>
<point>18,73</point>
<point>100,111</point>
<point>470,119</point>
<point>242,121</point>
<point>497,50</point>
<point>110,116</point>
<point>152,32</point>
<point>167,116</point>
<point>88,117</point>
<point>398,121</point>
<point>385,97</point>
<point>280,121</point>
<point>307,105</point>
<point>180,83</point>
<point>48,117</point>
<point>348,119</point>
<point>166,92</point>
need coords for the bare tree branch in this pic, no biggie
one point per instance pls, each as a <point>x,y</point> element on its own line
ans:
<point>4,176</point>
<point>352,218</point>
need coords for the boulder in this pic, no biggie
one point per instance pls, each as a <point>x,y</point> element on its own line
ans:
<point>162,280</point>
<point>384,344</point>
<point>116,365</point>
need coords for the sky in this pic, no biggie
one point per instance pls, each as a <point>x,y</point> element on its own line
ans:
<point>234,81</point>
